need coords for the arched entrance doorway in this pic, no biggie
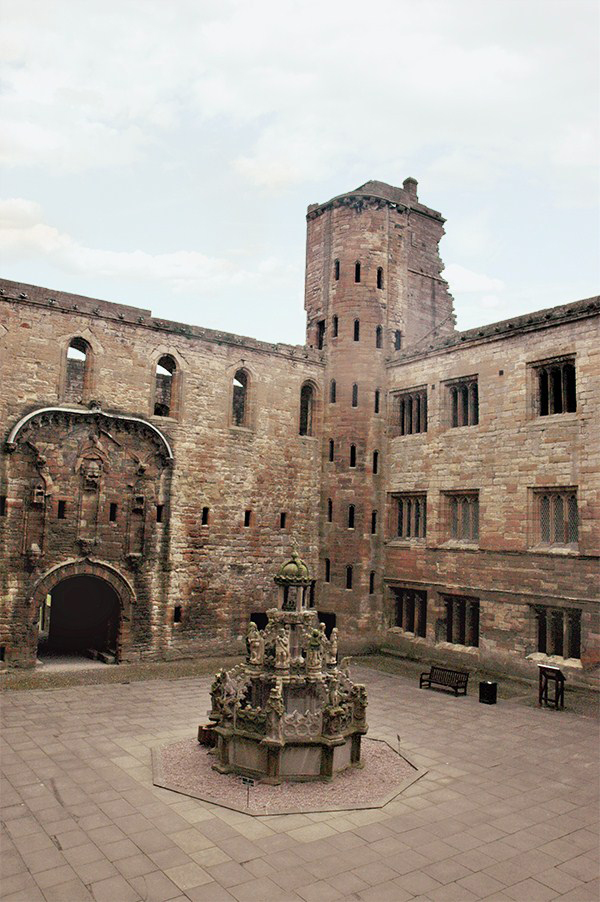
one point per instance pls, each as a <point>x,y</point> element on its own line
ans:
<point>80,616</point>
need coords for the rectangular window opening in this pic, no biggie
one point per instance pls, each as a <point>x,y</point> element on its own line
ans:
<point>112,513</point>
<point>320,334</point>
<point>2,505</point>
<point>205,512</point>
<point>160,509</point>
<point>62,510</point>
<point>282,519</point>
<point>177,614</point>
<point>247,518</point>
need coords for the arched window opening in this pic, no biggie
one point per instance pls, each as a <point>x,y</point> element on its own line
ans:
<point>351,516</point>
<point>335,325</point>
<point>397,340</point>
<point>239,403</point>
<point>327,570</point>
<point>377,400</point>
<point>375,462</point>
<point>379,337</point>
<point>331,450</point>
<point>349,576</point>
<point>163,394</point>
<point>307,398</point>
<point>380,277</point>
<point>352,455</point>
<point>356,330</point>
<point>336,270</point>
<point>355,395</point>
<point>78,354</point>
<point>357,271</point>
<point>332,392</point>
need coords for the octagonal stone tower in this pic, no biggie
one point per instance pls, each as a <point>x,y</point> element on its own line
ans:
<point>289,712</point>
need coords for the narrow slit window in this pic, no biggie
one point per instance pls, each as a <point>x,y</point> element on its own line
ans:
<point>306,409</point>
<point>282,519</point>
<point>349,575</point>
<point>379,337</point>
<point>77,373</point>
<point>336,270</point>
<point>163,392</point>
<point>335,325</point>
<point>355,395</point>
<point>332,392</point>
<point>352,455</point>
<point>375,462</point>
<point>357,271</point>
<point>320,334</point>
<point>377,400</point>
<point>371,582</point>
<point>62,510</point>
<point>331,450</point>
<point>356,330</point>
<point>160,510</point>
<point>327,570</point>
<point>177,614</point>
<point>2,505</point>
<point>373,522</point>
<point>239,403</point>
<point>380,277</point>
<point>329,510</point>
<point>397,340</point>
<point>351,511</point>
<point>205,511</point>
<point>112,513</point>
<point>247,518</point>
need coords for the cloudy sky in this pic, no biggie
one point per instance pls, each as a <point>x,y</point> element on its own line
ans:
<point>163,154</point>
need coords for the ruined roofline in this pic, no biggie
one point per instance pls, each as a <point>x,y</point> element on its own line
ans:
<point>527,322</point>
<point>81,305</point>
<point>404,198</point>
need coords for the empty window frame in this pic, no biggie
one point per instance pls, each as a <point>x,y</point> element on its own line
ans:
<point>349,576</point>
<point>556,517</point>
<point>163,387</point>
<point>355,395</point>
<point>352,455</point>
<point>411,611</point>
<point>307,403</point>
<point>320,334</point>
<point>463,516</point>
<point>61,511</point>
<point>411,516</point>
<point>351,513</point>
<point>464,402</point>
<point>375,463</point>
<point>356,330</point>
<point>462,620</point>
<point>204,517</point>
<point>332,392</point>
<point>409,412</point>
<point>77,376</point>
<point>379,337</point>
<point>555,387</point>
<point>327,570</point>
<point>558,631</point>
<point>336,270</point>
<point>331,450</point>
<point>357,271</point>
<point>380,277</point>
<point>397,340</point>
<point>112,512</point>
<point>377,400</point>
<point>335,326</point>
<point>239,398</point>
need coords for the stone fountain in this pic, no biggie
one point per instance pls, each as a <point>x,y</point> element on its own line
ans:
<point>290,712</point>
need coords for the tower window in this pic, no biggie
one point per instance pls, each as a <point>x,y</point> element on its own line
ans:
<point>377,399</point>
<point>112,512</point>
<point>335,325</point>
<point>349,576</point>
<point>282,519</point>
<point>378,337</point>
<point>160,508</point>
<point>247,518</point>
<point>375,462</point>
<point>371,582</point>
<point>332,392</point>
<point>320,334</point>
<point>352,455</point>
<point>331,450</point>
<point>397,340</point>
<point>356,330</point>
<point>177,614</point>
<point>329,510</point>
<point>373,522</point>
<point>2,505</point>
<point>380,277</point>
<point>327,570</point>
<point>61,513</point>
<point>351,510</point>
<point>357,271</point>
<point>355,395</point>
<point>204,520</point>
<point>239,403</point>
<point>336,270</point>
<point>306,409</point>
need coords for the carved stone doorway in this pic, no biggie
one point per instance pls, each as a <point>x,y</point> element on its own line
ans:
<point>80,617</point>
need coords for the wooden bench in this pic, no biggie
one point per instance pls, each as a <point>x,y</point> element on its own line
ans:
<point>443,676</point>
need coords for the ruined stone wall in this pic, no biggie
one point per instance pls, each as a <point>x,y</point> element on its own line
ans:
<point>218,572</point>
<point>509,455</point>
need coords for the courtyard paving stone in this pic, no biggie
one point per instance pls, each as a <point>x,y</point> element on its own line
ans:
<point>508,809</point>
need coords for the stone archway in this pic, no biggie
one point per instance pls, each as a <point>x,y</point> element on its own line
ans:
<point>92,608</point>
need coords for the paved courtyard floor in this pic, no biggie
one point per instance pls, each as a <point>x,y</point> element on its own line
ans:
<point>508,809</point>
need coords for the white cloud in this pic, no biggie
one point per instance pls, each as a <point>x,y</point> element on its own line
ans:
<point>462,280</point>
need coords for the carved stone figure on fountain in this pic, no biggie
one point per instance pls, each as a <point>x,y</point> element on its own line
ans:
<point>282,650</point>
<point>275,710</point>
<point>256,645</point>
<point>314,653</point>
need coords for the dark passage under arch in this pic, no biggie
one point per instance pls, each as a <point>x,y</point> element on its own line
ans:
<point>82,616</point>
